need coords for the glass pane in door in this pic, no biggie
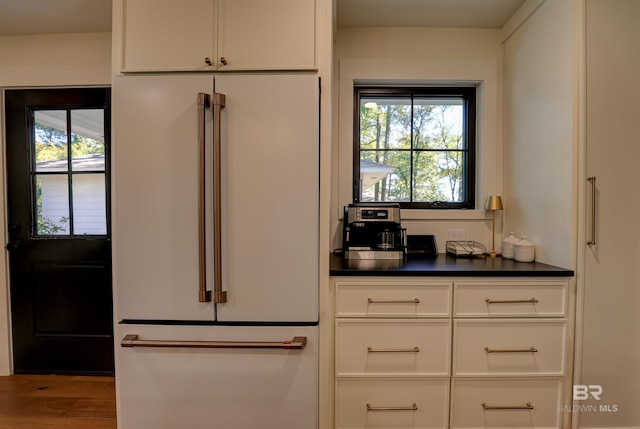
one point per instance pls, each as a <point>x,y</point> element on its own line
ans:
<point>50,137</point>
<point>87,140</point>
<point>52,204</point>
<point>89,208</point>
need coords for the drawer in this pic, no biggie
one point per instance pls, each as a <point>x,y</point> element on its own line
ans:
<point>384,347</point>
<point>514,403</point>
<point>509,347</point>
<point>387,404</point>
<point>175,387</point>
<point>510,299</point>
<point>393,299</point>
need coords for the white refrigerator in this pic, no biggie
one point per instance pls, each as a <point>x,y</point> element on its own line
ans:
<point>216,250</point>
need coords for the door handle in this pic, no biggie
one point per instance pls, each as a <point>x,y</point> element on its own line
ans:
<point>204,295</point>
<point>218,103</point>
<point>14,245</point>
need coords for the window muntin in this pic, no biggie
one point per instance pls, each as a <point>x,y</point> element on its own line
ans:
<point>415,146</point>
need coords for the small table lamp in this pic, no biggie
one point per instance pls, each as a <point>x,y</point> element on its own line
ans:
<point>494,202</point>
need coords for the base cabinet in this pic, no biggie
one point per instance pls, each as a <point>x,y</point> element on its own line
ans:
<point>455,353</point>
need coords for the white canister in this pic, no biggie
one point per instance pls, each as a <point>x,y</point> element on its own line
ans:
<point>507,246</point>
<point>524,250</point>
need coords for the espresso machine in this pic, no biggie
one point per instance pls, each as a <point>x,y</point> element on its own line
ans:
<point>373,231</point>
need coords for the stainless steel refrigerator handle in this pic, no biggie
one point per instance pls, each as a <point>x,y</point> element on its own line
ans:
<point>203,102</point>
<point>592,180</point>
<point>298,343</point>
<point>219,296</point>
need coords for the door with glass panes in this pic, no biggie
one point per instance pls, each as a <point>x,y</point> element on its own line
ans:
<point>57,153</point>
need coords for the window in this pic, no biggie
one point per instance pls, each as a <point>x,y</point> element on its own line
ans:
<point>69,172</point>
<point>415,146</point>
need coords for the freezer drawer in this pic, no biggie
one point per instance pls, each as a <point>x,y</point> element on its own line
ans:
<point>226,388</point>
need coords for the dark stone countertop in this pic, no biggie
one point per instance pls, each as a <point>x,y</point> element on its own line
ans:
<point>445,266</point>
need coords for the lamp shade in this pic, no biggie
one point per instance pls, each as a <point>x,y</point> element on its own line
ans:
<point>494,202</point>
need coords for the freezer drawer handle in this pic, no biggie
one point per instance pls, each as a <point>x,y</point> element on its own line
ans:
<point>529,350</point>
<point>410,350</point>
<point>507,407</point>
<point>298,343</point>
<point>393,301</point>
<point>413,407</point>
<point>511,301</point>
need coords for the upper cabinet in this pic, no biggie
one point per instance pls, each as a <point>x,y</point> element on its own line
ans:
<point>208,35</point>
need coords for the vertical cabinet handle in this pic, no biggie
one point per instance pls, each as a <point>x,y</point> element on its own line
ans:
<point>203,294</point>
<point>218,103</point>
<point>592,181</point>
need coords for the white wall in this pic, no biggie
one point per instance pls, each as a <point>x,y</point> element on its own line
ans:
<point>540,134</point>
<point>43,60</point>
<point>422,55</point>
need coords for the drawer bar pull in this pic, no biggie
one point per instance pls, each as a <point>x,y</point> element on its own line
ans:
<point>393,301</point>
<point>507,407</point>
<point>511,301</point>
<point>298,343</point>
<point>529,350</point>
<point>413,407</point>
<point>413,350</point>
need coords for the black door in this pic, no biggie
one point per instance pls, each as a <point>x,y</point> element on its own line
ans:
<point>59,230</point>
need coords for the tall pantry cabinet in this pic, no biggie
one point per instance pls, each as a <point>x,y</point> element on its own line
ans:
<point>610,338</point>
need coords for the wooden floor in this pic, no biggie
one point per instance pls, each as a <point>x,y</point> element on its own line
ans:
<point>56,402</point>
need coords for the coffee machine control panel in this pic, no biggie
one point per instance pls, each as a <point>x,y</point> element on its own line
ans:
<point>373,214</point>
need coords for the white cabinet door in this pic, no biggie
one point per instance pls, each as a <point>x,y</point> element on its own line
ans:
<point>266,34</point>
<point>209,388</point>
<point>168,35</point>
<point>209,35</point>
<point>611,329</point>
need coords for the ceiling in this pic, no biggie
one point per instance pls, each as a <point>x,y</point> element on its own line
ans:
<point>22,17</point>
<point>426,13</point>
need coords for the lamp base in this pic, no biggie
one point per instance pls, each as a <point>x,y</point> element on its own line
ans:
<point>493,254</point>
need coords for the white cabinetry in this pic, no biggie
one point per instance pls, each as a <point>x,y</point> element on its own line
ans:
<point>393,353</point>
<point>610,329</point>
<point>207,35</point>
<point>509,353</point>
<point>458,352</point>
